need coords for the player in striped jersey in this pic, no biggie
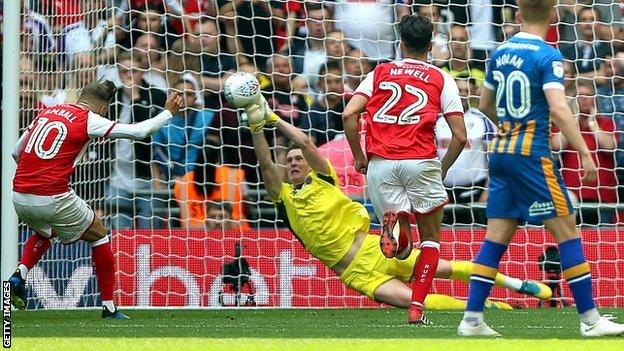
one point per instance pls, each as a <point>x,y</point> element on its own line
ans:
<point>523,85</point>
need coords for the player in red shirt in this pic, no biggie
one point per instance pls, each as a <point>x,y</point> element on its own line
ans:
<point>403,100</point>
<point>46,155</point>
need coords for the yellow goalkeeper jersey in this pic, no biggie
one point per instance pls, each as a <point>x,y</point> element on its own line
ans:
<point>321,216</point>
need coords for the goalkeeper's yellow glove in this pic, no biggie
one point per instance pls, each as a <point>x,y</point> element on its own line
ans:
<point>254,116</point>
<point>270,117</point>
<point>258,114</point>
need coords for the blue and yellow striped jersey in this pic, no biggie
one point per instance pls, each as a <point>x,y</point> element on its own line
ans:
<point>519,71</point>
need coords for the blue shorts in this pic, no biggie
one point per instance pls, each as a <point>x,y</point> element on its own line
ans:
<point>529,189</point>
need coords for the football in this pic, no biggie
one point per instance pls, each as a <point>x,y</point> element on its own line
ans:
<point>241,89</point>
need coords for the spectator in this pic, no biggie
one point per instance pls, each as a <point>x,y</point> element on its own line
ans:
<point>598,133</point>
<point>587,50</point>
<point>324,120</point>
<point>336,45</point>
<point>100,28</point>
<point>28,101</point>
<point>207,186</point>
<point>611,91</point>
<point>178,143</point>
<point>67,19</point>
<point>183,62</point>
<point>440,53</point>
<point>356,66</point>
<point>290,106</point>
<point>215,65</point>
<point>149,53</point>
<point>219,216</point>
<point>482,37</point>
<point>144,20</point>
<point>309,54</point>
<point>37,34</point>
<point>460,56</point>
<point>258,25</point>
<point>131,179</point>
<point>81,72</point>
<point>611,104</point>
<point>466,180</point>
<point>369,25</point>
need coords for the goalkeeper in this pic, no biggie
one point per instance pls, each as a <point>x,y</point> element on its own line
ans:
<point>334,229</point>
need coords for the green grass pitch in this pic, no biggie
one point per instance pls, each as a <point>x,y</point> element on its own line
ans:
<point>297,329</point>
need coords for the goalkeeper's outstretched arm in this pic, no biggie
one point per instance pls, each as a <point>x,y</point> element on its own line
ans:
<point>259,113</point>
<point>272,175</point>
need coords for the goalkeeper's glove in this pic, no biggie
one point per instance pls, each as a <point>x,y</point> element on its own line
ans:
<point>258,114</point>
<point>254,116</point>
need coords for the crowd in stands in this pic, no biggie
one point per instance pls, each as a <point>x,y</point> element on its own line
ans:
<point>309,57</point>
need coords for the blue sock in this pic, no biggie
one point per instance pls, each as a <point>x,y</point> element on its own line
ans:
<point>576,272</point>
<point>484,272</point>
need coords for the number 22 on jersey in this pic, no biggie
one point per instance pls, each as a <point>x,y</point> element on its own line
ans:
<point>408,115</point>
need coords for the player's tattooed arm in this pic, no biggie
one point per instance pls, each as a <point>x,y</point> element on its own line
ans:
<point>350,118</point>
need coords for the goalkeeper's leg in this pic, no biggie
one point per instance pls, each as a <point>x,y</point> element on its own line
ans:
<point>461,270</point>
<point>394,292</point>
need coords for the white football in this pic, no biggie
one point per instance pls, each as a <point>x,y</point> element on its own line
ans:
<point>241,89</point>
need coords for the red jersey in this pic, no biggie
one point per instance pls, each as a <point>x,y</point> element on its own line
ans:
<point>404,100</point>
<point>52,146</point>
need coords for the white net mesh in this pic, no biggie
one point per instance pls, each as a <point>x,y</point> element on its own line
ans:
<point>177,204</point>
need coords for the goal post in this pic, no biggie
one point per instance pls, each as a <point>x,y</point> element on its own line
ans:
<point>10,130</point>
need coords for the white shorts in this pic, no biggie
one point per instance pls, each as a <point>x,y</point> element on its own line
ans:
<point>65,216</point>
<point>405,185</point>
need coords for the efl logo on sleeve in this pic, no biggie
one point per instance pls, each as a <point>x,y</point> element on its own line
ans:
<point>558,69</point>
<point>6,314</point>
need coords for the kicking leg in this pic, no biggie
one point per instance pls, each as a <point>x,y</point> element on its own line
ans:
<point>104,263</point>
<point>34,248</point>
<point>461,270</point>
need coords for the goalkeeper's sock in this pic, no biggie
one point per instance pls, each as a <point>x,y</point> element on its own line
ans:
<point>461,270</point>
<point>444,302</point>
<point>104,263</point>
<point>576,272</point>
<point>484,272</point>
<point>424,271</point>
<point>34,248</point>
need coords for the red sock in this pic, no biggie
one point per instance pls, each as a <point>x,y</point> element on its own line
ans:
<point>424,271</point>
<point>104,263</point>
<point>34,248</point>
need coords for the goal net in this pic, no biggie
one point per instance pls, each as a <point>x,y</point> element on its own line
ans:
<point>190,221</point>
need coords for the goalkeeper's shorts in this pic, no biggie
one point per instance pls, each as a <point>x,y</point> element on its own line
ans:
<point>370,269</point>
